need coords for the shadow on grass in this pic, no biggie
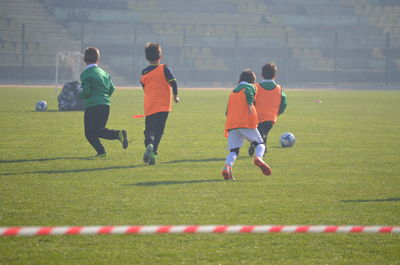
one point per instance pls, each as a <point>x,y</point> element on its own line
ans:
<point>279,147</point>
<point>194,160</point>
<point>72,170</point>
<point>91,169</point>
<point>91,158</point>
<point>45,159</point>
<point>56,111</point>
<point>375,200</point>
<point>174,182</point>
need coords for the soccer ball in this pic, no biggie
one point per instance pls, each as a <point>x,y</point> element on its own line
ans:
<point>41,105</point>
<point>287,139</point>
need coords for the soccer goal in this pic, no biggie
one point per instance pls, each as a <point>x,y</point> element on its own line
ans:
<point>69,65</point>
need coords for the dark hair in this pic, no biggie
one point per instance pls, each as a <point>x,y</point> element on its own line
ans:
<point>248,76</point>
<point>92,55</point>
<point>152,51</point>
<point>269,70</point>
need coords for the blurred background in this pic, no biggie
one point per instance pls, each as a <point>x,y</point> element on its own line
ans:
<point>205,42</point>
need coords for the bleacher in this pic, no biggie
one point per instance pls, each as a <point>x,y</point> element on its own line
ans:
<point>210,42</point>
<point>29,38</point>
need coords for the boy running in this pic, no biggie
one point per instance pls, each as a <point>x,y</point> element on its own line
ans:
<point>156,81</point>
<point>241,123</point>
<point>97,89</point>
<point>270,101</point>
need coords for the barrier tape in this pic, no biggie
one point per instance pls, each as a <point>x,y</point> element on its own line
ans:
<point>193,229</point>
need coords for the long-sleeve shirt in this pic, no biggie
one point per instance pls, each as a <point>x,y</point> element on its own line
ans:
<point>97,86</point>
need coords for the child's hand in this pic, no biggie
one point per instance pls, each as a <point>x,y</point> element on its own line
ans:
<point>176,98</point>
<point>250,110</point>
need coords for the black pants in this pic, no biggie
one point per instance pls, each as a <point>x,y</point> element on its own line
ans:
<point>154,129</point>
<point>95,120</point>
<point>264,128</point>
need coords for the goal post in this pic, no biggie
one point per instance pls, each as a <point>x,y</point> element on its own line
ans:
<point>69,65</point>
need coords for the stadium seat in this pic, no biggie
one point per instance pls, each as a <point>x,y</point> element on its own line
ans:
<point>10,47</point>
<point>397,62</point>
<point>304,26</point>
<point>10,59</point>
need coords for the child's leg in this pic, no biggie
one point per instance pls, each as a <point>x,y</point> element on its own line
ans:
<point>264,128</point>
<point>260,149</point>
<point>101,121</point>
<point>253,135</point>
<point>252,147</point>
<point>159,126</point>
<point>235,141</point>
<point>153,132</point>
<point>231,157</point>
<point>148,130</point>
<point>92,119</point>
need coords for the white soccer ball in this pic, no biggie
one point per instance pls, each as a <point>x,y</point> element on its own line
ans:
<point>287,139</point>
<point>41,105</point>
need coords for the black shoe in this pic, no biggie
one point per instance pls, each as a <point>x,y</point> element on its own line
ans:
<point>252,148</point>
<point>99,156</point>
<point>147,152</point>
<point>123,138</point>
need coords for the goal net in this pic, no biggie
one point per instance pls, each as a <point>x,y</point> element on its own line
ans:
<point>69,65</point>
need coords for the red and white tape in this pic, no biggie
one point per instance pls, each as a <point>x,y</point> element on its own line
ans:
<point>193,229</point>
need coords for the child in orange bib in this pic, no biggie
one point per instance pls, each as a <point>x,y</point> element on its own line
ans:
<point>241,123</point>
<point>270,101</point>
<point>157,82</point>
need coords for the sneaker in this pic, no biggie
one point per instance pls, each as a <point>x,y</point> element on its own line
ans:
<point>266,170</point>
<point>152,158</point>
<point>252,148</point>
<point>123,138</point>
<point>146,155</point>
<point>227,173</point>
<point>100,156</point>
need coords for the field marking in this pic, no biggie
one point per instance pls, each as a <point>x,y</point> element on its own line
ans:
<point>195,229</point>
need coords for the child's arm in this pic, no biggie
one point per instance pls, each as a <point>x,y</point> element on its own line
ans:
<point>112,88</point>
<point>172,82</point>
<point>250,94</point>
<point>283,104</point>
<point>85,92</point>
<point>250,109</point>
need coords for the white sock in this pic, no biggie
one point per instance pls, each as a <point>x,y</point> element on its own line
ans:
<point>260,150</point>
<point>230,159</point>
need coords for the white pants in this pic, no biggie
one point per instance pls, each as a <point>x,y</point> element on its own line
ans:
<point>236,137</point>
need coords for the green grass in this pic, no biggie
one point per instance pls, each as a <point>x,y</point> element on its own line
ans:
<point>343,170</point>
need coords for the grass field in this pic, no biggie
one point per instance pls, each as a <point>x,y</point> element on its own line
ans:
<point>343,170</point>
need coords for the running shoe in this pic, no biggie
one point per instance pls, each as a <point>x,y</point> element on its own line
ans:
<point>227,173</point>
<point>266,170</point>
